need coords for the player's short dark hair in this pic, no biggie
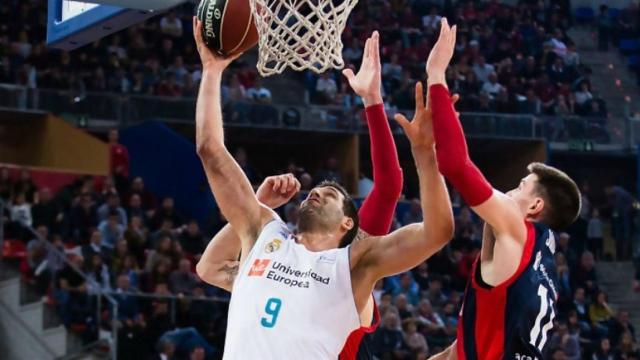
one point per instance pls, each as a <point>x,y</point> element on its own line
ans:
<point>560,193</point>
<point>350,210</point>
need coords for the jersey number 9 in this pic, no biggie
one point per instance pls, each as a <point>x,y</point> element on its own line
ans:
<point>272,308</point>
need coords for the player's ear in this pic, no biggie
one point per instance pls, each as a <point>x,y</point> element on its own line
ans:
<point>347,223</point>
<point>536,207</point>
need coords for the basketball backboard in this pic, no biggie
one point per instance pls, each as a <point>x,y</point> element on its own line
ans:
<point>72,24</point>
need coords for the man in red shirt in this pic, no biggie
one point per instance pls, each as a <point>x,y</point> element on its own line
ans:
<point>118,160</point>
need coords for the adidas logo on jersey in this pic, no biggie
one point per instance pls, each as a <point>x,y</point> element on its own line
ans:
<point>258,267</point>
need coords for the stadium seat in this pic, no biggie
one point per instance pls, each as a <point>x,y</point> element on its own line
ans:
<point>585,14</point>
<point>14,249</point>
<point>629,46</point>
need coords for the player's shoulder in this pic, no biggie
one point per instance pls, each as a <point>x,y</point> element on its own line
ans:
<point>360,246</point>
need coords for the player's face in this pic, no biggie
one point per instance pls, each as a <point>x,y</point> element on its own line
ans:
<point>526,196</point>
<point>326,201</point>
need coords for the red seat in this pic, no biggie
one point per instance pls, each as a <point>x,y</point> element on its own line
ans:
<point>14,249</point>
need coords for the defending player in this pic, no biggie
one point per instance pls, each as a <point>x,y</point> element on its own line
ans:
<point>300,297</point>
<point>509,303</point>
<point>218,265</point>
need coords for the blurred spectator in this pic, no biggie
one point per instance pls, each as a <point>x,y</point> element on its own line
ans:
<point>182,281</point>
<point>621,203</point>
<point>407,286</point>
<point>84,218</point>
<point>620,326</point>
<point>562,339</point>
<point>388,340</point>
<point>259,93</point>
<point>111,230</point>
<point>119,161</point>
<point>166,211</point>
<point>191,239</point>
<point>25,186</point>
<point>138,188</point>
<point>604,351</point>
<point>171,25</point>
<point>36,269</point>
<point>414,215</point>
<point>595,234</point>
<point>330,172</point>
<point>135,209</point>
<point>600,313</point>
<point>127,304</point>
<point>98,273</point>
<point>95,247</point>
<point>47,212</point>
<point>585,274</point>
<point>604,28</point>
<point>326,89</point>
<point>136,238</point>
<point>112,205</point>
<point>414,340</point>
<point>166,349</point>
<point>72,296</point>
<point>21,210</point>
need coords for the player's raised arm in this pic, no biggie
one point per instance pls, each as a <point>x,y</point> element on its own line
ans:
<point>410,245</point>
<point>494,207</point>
<point>219,263</point>
<point>378,208</point>
<point>230,186</point>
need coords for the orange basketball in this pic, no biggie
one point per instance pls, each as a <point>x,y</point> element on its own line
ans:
<point>227,26</point>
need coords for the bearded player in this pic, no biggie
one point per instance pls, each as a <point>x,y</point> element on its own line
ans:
<point>300,296</point>
<point>509,303</point>
<point>218,265</point>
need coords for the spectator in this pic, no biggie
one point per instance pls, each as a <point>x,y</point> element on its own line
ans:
<point>36,269</point>
<point>111,230</point>
<point>491,86</point>
<point>388,340</point>
<point>120,253</point>
<point>119,160</point>
<point>21,210</point>
<point>25,186</point>
<point>562,339</point>
<point>532,104</point>
<point>604,351</point>
<point>628,348</point>
<point>135,208</point>
<point>581,307</point>
<point>559,74</point>
<point>127,304</point>
<point>621,203</point>
<point>600,313</point>
<point>408,287</point>
<point>157,276</point>
<point>98,273</point>
<point>259,93</point>
<point>564,282</point>
<point>483,70</point>
<point>431,22</point>
<point>433,324</point>
<point>166,249</point>
<point>112,205</point>
<point>183,280</point>
<point>414,214</point>
<point>95,247</point>
<point>138,188</point>
<point>171,25</point>
<point>326,89</point>
<point>413,339</point>
<point>405,310</point>
<point>595,234</point>
<point>585,274</point>
<point>564,246</point>
<point>166,349</point>
<point>330,172</point>
<point>435,294</point>
<point>46,212</point>
<point>583,96</point>
<point>604,28</point>
<point>191,239</point>
<point>84,218</point>
<point>167,211</point>
<point>136,238</point>
<point>619,326</point>
<point>72,293</point>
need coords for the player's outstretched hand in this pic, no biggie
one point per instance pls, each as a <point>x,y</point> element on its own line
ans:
<point>420,129</point>
<point>441,54</point>
<point>276,191</point>
<point>367,82</point>
<point>208,58</point>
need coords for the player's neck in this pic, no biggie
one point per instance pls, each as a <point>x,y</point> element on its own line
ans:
<point>317,241</point>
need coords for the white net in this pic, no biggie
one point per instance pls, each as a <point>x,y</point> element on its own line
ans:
<point>300,34</point>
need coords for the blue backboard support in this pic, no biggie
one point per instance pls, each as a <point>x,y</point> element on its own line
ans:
<point>72,24</point>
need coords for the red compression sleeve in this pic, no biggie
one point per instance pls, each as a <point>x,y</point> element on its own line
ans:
<point>451,150</point>
<point>378,209</point>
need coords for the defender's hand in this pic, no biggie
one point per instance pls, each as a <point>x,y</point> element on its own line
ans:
<point>276,191</point>
<point>367,82</point>
<point>420,129</point>
<point>441,54</point>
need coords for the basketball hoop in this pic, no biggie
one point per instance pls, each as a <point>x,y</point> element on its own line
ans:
<point>300,34</point>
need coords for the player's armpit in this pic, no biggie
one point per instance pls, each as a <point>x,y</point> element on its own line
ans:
<point>501,212</point>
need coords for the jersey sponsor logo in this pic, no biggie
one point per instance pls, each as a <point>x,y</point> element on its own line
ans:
<point>291,277</point>
<point>551,242</point>
<point>543,274</point>
<point>273,246</point>
<point>524,357</point>
<point>328,258</point>
<point>258,267</point>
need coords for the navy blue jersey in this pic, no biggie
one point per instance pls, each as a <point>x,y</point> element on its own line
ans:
<point>512,320</point>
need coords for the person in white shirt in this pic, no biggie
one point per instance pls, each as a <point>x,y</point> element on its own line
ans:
<point>482,69</point>
<point>171,25</point>
<point>259,93</point>
<point>326,88</point>
<point>492,87</point>
<point>432,21</point>
<point>20,210</point>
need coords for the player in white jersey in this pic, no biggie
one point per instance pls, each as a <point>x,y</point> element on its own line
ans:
<point>299,297</point>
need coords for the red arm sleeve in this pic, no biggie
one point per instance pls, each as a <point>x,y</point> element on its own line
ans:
<point>378,209</point>
<point>451,150</point>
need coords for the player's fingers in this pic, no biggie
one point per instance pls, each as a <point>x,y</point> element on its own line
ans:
<point>419,96</point>
<point>365,53</point>
<point>276,184</point>
<point>402,121</point>
<point>376,47</point>
<point>348,73</point>
<point>455,98</point>
<point>454,30</point>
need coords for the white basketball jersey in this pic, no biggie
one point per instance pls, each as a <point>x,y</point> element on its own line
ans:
<point>289,302</point>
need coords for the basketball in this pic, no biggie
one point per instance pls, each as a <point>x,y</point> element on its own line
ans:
<point>227,26</point>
